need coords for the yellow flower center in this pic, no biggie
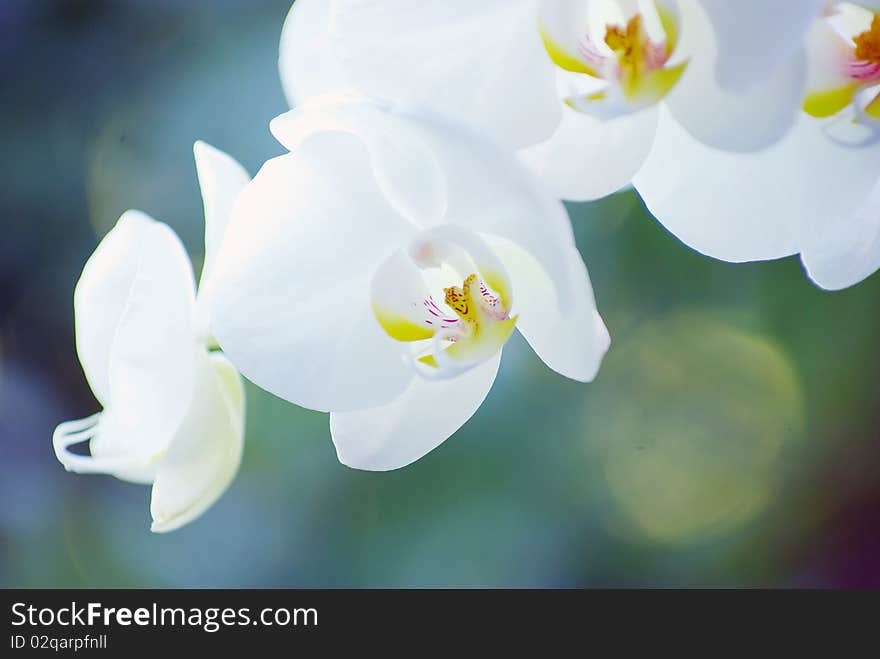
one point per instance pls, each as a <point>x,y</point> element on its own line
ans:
<point>868,43</point>
<point>461,300</point>
<point>629,45</point>
<point>465,325</point>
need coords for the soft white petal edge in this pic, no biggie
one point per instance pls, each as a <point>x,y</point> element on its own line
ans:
<point>221,179</point>
<point>849,251</point>
<point>427,413</point>
<point>205,455</point>
<point>571,343</point>
<point>589,158</point>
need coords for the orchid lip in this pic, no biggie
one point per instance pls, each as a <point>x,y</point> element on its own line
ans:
<point>632,59</point>
<point>857,74</point>
<point>449,326</point>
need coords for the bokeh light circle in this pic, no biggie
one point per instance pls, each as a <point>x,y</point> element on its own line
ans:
<point>689,419</point>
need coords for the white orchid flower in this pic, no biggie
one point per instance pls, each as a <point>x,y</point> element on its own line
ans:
<point>577,85</point>
<point>377,271</point>
<point>817,191</point>
<point>173,411</point>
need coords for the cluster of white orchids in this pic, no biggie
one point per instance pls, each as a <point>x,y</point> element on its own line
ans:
<point>377,269</point>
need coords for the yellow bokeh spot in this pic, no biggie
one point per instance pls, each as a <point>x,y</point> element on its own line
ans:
<point>689,419</point>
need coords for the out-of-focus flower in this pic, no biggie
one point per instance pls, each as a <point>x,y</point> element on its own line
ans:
<point>577,85</point>
<point>817,191</point>
<point>377,271</point>
<point>173,410</point>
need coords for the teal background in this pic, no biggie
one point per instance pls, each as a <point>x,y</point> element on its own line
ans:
<point>731,438</point>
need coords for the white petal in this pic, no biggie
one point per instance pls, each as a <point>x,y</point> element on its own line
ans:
<point>133,307</point>
<point>849,250</point>
<point>403,166</point>
<point>292,280</point>
<point>414,424</point>
<point>588,158</point>
<point>568,335</point>
<point>483,187</point>
<point>131,251</point>
<point>742,119</point>
<point>482,63</point>
<point>206,451</point>
<point>306,60</point>
<point>755,37</point>
<point>221,179</point>
<point>751,207</point>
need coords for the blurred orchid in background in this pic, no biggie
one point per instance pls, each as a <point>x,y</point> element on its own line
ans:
<point>377,271</point>
<point>173,410</point>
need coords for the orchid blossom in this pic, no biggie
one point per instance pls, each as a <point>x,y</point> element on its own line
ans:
<point>378,269</point>
<point>173,409</point>
<point>816,192</point>
<point>576,85</point>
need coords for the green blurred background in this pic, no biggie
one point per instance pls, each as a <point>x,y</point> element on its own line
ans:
<point>731,438</point>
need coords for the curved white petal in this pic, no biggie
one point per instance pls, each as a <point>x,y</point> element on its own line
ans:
<point>750,207</point>
<point>306,60</point>
<point>403,166</point>
<point>206,451</point>
<point>133,307</point>
<point>755,37</point>
<point>848,251</point>
<point>291,303</point>
<point>571,343</point>
<point>221,179</point>
<point>418,421</point>
<point>479,62</point>
<point>588,158</point>
<point>744,119</point>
